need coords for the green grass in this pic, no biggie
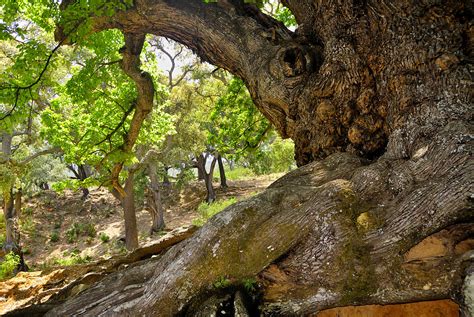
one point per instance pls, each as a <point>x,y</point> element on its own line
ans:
<point>238,173</point>
<point>70,258</point>
<point>8,266</point>
<point>206,210</point>
<point>104,237</point>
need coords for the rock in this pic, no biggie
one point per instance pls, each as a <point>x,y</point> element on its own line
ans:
<point>439,308</point>
<point>430,247</point>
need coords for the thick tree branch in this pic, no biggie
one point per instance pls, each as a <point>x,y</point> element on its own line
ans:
<point>30,158</point>
<point>143,105</point>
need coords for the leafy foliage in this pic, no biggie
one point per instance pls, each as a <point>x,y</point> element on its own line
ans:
<point>104,237</point>
<point>237,124</point>
<point>8,266</point>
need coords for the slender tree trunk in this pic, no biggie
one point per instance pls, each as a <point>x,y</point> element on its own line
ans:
<point>11,212</point>
<point>166,179</point>
<point>211,194</point>
<point>17,211</point>
<point>155,204</point>
<point>43,186</point>
<point>222,172</point>
<point>81,174</point>
<point>201,166</point>
<point>12,235</point>
<point>208,176</point>
<point>129,215</point>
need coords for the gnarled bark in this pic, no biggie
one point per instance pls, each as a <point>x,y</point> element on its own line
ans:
<point>309,224</point>
<point>380,80</point>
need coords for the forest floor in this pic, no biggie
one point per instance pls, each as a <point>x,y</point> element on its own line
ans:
<point>62,229</point>
<point>63,237</point>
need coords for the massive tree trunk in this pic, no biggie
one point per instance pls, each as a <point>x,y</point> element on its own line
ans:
<point>387,83</point>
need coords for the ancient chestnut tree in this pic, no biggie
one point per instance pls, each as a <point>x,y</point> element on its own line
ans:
<point>377,96</point>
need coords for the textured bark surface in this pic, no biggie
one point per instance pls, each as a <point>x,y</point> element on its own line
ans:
<point>155,205</point>
<point>129,214</point>
<point>222,176</point>
<point>11,210</point>
<point>387,83</point>
<point>353,74</point>
<point>208,176</point>
<point>34,293</point>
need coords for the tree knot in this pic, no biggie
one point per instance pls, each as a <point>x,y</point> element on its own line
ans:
<point>297,60</point>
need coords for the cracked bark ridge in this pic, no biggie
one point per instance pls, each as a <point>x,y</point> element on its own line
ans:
<point>336,239</point>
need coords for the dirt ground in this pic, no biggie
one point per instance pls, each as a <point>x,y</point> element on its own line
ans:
<point>49,213</point>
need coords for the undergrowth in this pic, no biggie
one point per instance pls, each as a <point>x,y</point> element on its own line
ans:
<point>8,266</point>
<point>206,210</point>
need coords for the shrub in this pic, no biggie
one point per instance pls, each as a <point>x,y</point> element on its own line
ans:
<point>28,225</point>
<point>8,266</point>
<point>72,260</point>
<point>104,237</point>
<point>71,234</point>
<point>54,236</point>
<point>89,230</point>
<point>78,229</point>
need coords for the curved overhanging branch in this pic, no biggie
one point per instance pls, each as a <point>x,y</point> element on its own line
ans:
<point>235,36</point>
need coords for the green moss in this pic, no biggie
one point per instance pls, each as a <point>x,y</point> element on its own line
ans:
<point>354,259</point>
<point>360,278</point>
<point>222,282</point>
